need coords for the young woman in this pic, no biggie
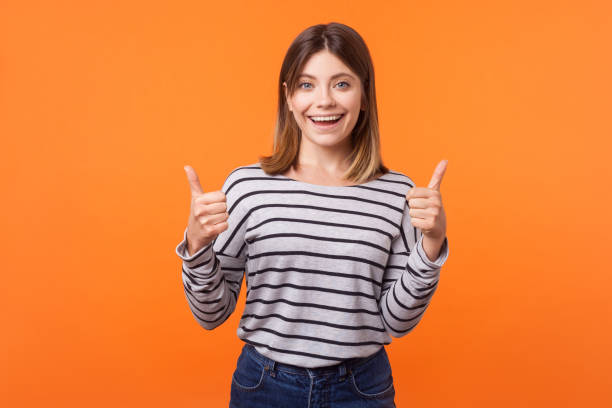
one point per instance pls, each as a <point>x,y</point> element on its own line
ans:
<point>340,253</point>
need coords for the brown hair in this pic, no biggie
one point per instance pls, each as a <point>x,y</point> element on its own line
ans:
<point>346,44</point>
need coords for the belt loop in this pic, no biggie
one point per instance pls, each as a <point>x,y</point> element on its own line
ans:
<point>341,371</point>
<point>273,365</point>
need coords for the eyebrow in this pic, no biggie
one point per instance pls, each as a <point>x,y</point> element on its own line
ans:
<point>332,77</point>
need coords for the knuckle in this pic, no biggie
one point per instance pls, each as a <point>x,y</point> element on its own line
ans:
<point>202,211</point>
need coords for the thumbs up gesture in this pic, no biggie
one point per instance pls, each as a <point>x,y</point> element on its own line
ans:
<point>208,215</point>
<point>426,210</point>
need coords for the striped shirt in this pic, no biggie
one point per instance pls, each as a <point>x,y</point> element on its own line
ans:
<point>332,272</point>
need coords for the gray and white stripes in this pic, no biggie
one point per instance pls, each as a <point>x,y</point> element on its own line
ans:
<point>332,271</point>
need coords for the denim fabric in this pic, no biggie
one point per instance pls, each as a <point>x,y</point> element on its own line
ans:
<point>259,382</point>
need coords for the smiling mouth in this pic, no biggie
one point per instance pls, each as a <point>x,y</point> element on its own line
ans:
<point>324,123</point>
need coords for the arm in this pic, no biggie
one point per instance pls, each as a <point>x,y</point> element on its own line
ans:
<point>433,247</point>
<point>212,277</point>
<point>410,279</point>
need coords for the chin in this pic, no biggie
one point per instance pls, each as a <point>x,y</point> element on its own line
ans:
<point>326,140</point>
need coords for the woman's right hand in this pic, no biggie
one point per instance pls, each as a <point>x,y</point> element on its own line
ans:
<point>208,214</point>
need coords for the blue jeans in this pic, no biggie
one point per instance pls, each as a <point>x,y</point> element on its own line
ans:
<point>259,382</point>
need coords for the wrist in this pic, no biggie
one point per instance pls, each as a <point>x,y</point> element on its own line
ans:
<point>433,246</point>
<point>194,246</point>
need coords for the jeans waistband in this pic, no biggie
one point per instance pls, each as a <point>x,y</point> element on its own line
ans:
<point>340,368</point>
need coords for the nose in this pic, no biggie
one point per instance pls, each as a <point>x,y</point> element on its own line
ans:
<point>325,98</point>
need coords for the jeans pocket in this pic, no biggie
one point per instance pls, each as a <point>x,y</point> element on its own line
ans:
<point>249,374</point>
<point>374,378</point>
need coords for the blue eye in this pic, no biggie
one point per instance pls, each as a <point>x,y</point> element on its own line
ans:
<point>308,83</point>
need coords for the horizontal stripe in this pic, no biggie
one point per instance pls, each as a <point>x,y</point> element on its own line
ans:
<point>315,305</point>
<point>313,288</point>
<point>314,322</point>
<point>315,255</point>
<point>287,220</point>
<point>251,275</point>
<point>294,235</point>
<point>310,338</point>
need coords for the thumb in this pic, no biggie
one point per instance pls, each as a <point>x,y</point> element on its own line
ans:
<point>194,181</point>
<point>436,179</point>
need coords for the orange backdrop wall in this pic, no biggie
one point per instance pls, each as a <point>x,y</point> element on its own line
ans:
<point>103,103</point>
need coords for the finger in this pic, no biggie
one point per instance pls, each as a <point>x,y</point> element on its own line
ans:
<point>436,179</point>
<point>418,203</point>
<point>216,218</point>
<point>194,181</point>
<point>211,197</point>
<point>419,223</point>
<point>212,206</point>
<point>420,192</point>
<point>419,213</point>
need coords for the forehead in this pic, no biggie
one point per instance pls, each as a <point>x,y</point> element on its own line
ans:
<point>325,65</point>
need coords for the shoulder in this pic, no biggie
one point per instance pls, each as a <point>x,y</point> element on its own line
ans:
<point>245,178</point>
<point>243,172</point>
<point>396,181</point>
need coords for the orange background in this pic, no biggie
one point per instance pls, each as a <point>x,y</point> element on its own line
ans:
<point>101,106</point>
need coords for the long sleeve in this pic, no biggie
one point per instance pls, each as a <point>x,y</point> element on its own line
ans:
<point>410,279</point>
<point>212,277</point>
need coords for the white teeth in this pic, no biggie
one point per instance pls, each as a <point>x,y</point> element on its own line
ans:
<point>325,118</point>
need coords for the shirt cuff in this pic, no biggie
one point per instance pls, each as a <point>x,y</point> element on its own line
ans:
<point>437,264</point>
<point>202,255</point>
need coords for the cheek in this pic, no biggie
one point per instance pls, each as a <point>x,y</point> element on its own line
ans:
<point>300,103</point>
<point>351,101</point>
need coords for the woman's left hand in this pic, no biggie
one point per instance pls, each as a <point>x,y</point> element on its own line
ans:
<point>426,210</point>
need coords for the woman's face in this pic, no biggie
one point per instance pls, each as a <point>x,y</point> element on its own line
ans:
<point>326,87</point>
